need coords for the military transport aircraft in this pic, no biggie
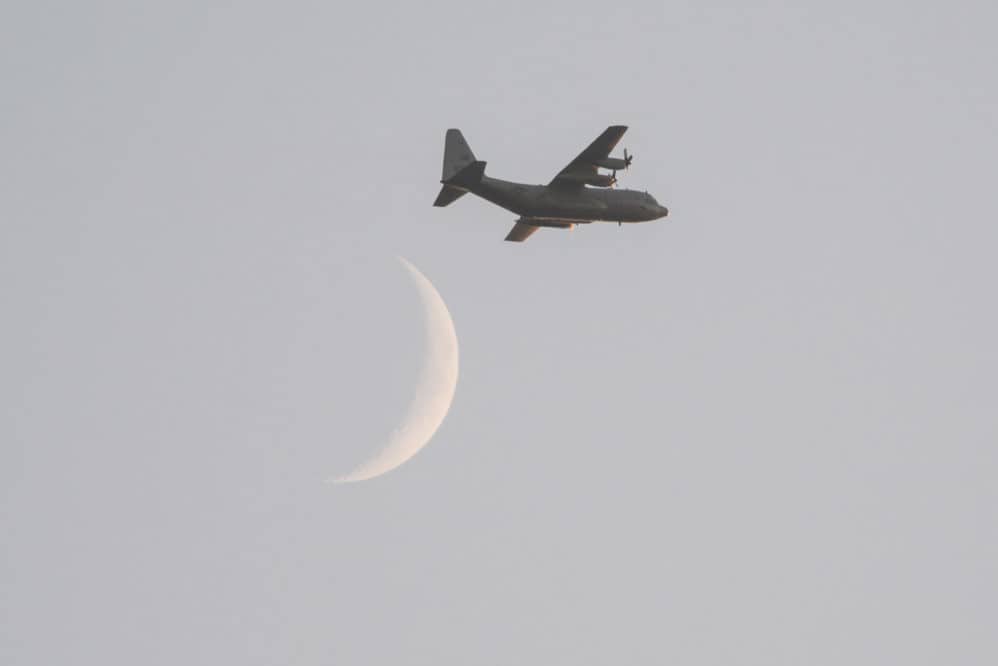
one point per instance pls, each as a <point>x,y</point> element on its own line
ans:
<point>562,203</point>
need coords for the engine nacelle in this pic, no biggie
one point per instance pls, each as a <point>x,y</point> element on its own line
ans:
<point>601,180</point>
<point>614,163</point>
<point>596,179</point>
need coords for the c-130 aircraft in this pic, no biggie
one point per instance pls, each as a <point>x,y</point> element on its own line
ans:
<point>562,203</point>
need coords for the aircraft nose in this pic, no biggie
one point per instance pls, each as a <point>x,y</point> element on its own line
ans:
<point>663,211</point>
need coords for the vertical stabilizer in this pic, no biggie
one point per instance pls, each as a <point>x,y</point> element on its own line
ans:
<point>457,154</point>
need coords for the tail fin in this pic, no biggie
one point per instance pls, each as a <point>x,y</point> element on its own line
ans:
<point>461,171</point>
<point>457,154</point>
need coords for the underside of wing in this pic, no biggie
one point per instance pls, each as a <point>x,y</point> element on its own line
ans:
<point>528,225</point>
<point>583,168</point>
<point>520,232</point>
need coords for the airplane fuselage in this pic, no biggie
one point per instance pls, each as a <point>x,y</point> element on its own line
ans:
<point>575,205</point>
<point>579,193</point>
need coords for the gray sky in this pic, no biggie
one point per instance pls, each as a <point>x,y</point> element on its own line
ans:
<point>761,431</point>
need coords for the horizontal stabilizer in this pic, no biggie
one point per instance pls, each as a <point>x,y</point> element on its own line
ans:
<point>448,195</point>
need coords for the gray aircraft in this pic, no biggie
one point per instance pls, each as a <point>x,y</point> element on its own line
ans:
<point>565,201</point>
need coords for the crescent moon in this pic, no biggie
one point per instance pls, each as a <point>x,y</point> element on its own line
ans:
<point>434,392</point>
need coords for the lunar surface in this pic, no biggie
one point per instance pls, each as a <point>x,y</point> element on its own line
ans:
<point>434,390</point>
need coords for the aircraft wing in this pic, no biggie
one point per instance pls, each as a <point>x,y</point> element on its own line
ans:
<point>583,164</point>
<point>520,232</point>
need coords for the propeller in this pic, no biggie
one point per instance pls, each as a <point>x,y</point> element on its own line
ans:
<point>627,165</point>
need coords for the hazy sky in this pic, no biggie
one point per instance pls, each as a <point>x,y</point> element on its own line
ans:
<point>760,431</point>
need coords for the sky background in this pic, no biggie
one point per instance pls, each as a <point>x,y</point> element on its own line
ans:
<point>760,431</point>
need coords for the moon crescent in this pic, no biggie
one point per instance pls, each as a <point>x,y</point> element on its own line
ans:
<point>434,392</point>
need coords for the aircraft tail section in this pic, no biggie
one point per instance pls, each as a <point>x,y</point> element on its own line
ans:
<point>457,154</point>
<point>461,170</point>
<point>459,184</point>
<point>468,177</point>
<point>449,195</point>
